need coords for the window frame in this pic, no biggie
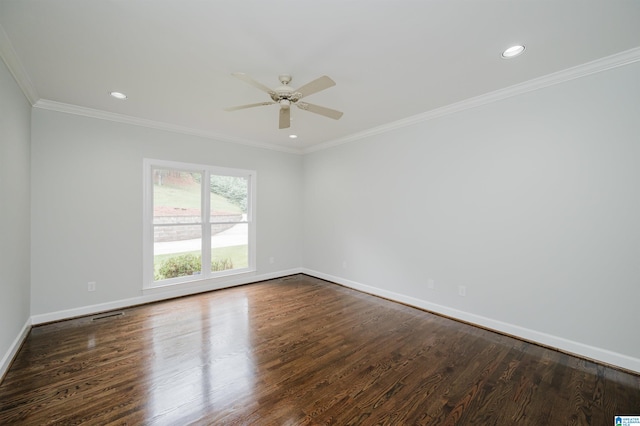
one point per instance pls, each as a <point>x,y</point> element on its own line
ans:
<point>149,226</point>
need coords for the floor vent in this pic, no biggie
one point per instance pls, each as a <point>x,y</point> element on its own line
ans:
<point>108,315</point>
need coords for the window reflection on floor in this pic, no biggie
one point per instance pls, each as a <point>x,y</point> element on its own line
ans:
<point>201,362</point>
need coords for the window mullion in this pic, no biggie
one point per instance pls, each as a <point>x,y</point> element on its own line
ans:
<point>206,225</point>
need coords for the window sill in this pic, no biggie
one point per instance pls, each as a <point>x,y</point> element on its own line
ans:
<point>198,284</point>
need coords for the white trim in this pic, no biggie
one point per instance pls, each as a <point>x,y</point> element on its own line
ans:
<point>10,58</point>
<point>13,349</point>
<point>160,293</point>
<point>569,346</point>
<point>580,349</point>
<point>143,122</point>
<point>593,67</point>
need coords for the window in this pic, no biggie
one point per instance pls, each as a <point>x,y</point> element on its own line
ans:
<point>198,222</point>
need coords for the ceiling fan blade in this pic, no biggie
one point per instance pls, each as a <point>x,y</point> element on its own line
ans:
<point>235,108</point>
<point>285,118</point>
<point>244,77</point>
<point>327,112</point>
<point>316,85</point>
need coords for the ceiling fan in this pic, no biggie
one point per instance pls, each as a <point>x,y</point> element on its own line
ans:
<point>285,96</point>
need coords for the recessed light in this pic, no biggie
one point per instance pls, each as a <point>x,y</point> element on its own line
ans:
<point>293,136</point>
<point>513,51</point>
<point>118,95</point>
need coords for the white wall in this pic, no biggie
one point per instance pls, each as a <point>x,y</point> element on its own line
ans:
<point>532,203</point>
<point>87,206</point>
<point>15,112</point>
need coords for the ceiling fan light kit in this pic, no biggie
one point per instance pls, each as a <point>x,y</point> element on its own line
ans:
<point>285,96</point>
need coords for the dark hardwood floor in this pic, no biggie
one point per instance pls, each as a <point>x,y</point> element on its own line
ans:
<point>299,351</point>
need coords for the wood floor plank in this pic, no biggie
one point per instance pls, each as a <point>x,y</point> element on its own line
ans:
<point>299,351</point>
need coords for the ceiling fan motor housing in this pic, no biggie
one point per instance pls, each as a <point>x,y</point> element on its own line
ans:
<point>285,92</point>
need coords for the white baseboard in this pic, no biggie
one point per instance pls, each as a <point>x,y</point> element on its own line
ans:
<point>160,293</point>
<point>13,349</point>
<point>565,345</point>
<point>572,347</point>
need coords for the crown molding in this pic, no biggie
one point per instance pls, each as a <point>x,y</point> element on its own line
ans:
<point>589,68</point>
<point>127,119</point>
<point>10,58</point>
<point>17,70</point>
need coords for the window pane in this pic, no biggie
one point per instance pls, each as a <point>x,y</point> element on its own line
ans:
<point>176,196</point>
<point>229,247</point>
<point>229,196</point>
<point>177,251</point>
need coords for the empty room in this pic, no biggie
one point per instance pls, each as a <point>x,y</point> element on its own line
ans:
<point>300,213</point>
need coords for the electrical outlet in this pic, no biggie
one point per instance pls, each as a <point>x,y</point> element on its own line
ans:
<point>344,264</point>
<point>431,284</point>
<point>462,290</point>
<point>272,260</point>
<point>91,286</point>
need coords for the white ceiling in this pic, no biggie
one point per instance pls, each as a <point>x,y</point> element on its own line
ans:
<point>391,59</point>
